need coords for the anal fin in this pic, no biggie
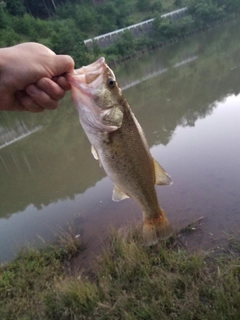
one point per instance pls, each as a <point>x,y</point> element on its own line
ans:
<point>161,176</point>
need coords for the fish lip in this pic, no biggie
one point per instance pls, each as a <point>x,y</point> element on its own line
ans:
<point>80,75</point>
<point>81,78</point>
<point>91,68</point>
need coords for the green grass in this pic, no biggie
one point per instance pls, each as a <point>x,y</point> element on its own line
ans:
<point>132,282</point>
<point>25,282</point>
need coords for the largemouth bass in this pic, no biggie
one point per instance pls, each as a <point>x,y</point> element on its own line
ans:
<point>118,142</point>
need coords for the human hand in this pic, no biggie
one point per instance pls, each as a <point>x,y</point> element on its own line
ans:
<point>32,77</point>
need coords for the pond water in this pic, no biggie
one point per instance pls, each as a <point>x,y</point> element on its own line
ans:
<point>186,97</point>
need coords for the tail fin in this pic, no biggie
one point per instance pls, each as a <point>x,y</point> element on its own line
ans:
<point>155,229</point>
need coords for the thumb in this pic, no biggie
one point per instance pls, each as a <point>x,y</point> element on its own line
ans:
<point>62,64</point>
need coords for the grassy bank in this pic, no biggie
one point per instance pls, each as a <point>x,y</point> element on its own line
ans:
<point>131,282</point>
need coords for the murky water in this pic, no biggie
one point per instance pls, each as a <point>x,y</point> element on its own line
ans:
<point>187,98</point>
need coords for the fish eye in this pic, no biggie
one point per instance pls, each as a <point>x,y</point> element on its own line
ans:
<point>111,83</point>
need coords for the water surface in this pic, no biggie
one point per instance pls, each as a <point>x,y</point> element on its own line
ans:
<point>187,98</point>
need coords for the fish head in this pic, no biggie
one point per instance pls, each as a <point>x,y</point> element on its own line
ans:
<point>96,94</point>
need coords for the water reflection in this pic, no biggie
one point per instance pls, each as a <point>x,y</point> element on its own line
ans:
<point>152,74</point>
<point>185,96</point>
<point>203,161</point>
<point>12,135</point>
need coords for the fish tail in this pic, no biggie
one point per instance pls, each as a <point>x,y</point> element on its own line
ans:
<point>155,229</point>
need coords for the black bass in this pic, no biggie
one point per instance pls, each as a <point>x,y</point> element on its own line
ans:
<point>118,142</point>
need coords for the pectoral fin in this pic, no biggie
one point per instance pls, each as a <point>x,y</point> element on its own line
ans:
<point>95,154</point>
<point>118,194</point>
<point>161,176</point>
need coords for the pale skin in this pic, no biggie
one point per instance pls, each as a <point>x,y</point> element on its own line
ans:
<point>32,77</point>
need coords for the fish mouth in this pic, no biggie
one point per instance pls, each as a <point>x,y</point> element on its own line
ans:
<point>93,67</point>
<point>88,78</point>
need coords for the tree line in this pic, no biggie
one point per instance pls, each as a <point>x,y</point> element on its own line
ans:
<point>63,25</point>
<point>201,14</point>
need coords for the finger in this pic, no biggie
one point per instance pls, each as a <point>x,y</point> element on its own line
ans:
<point>62,82</point>
<point>51,88</point>
<point>41,98</point>
<point>28,104</point>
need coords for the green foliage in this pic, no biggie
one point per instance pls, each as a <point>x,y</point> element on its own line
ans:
<point>107,17</point>
<point>125,43</point>
<point>9,37</point>
<point>184,25</point>
<point>68,23</point>
<point>163,29</point>
<point>3,16</point>
<point>124,8</point>
<point>42,8</point>
<point>202,13</point>
<point>143,5</point>
<point>27,26</point>
<point>85,18</point>
<point>157,6</point>
<point>97,51</point>
<point>142,42</point>
<point>66,10</point>
<point>205,12</point>
<point>66,38</point>
<point>15,7</point>
<point>178,3</point>
<point>232,5</point>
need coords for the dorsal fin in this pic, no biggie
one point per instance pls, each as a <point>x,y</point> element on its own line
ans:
<point>118,194</point>
<point>161,176</point>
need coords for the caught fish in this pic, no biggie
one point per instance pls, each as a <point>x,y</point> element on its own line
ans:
<point>119,144</point>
